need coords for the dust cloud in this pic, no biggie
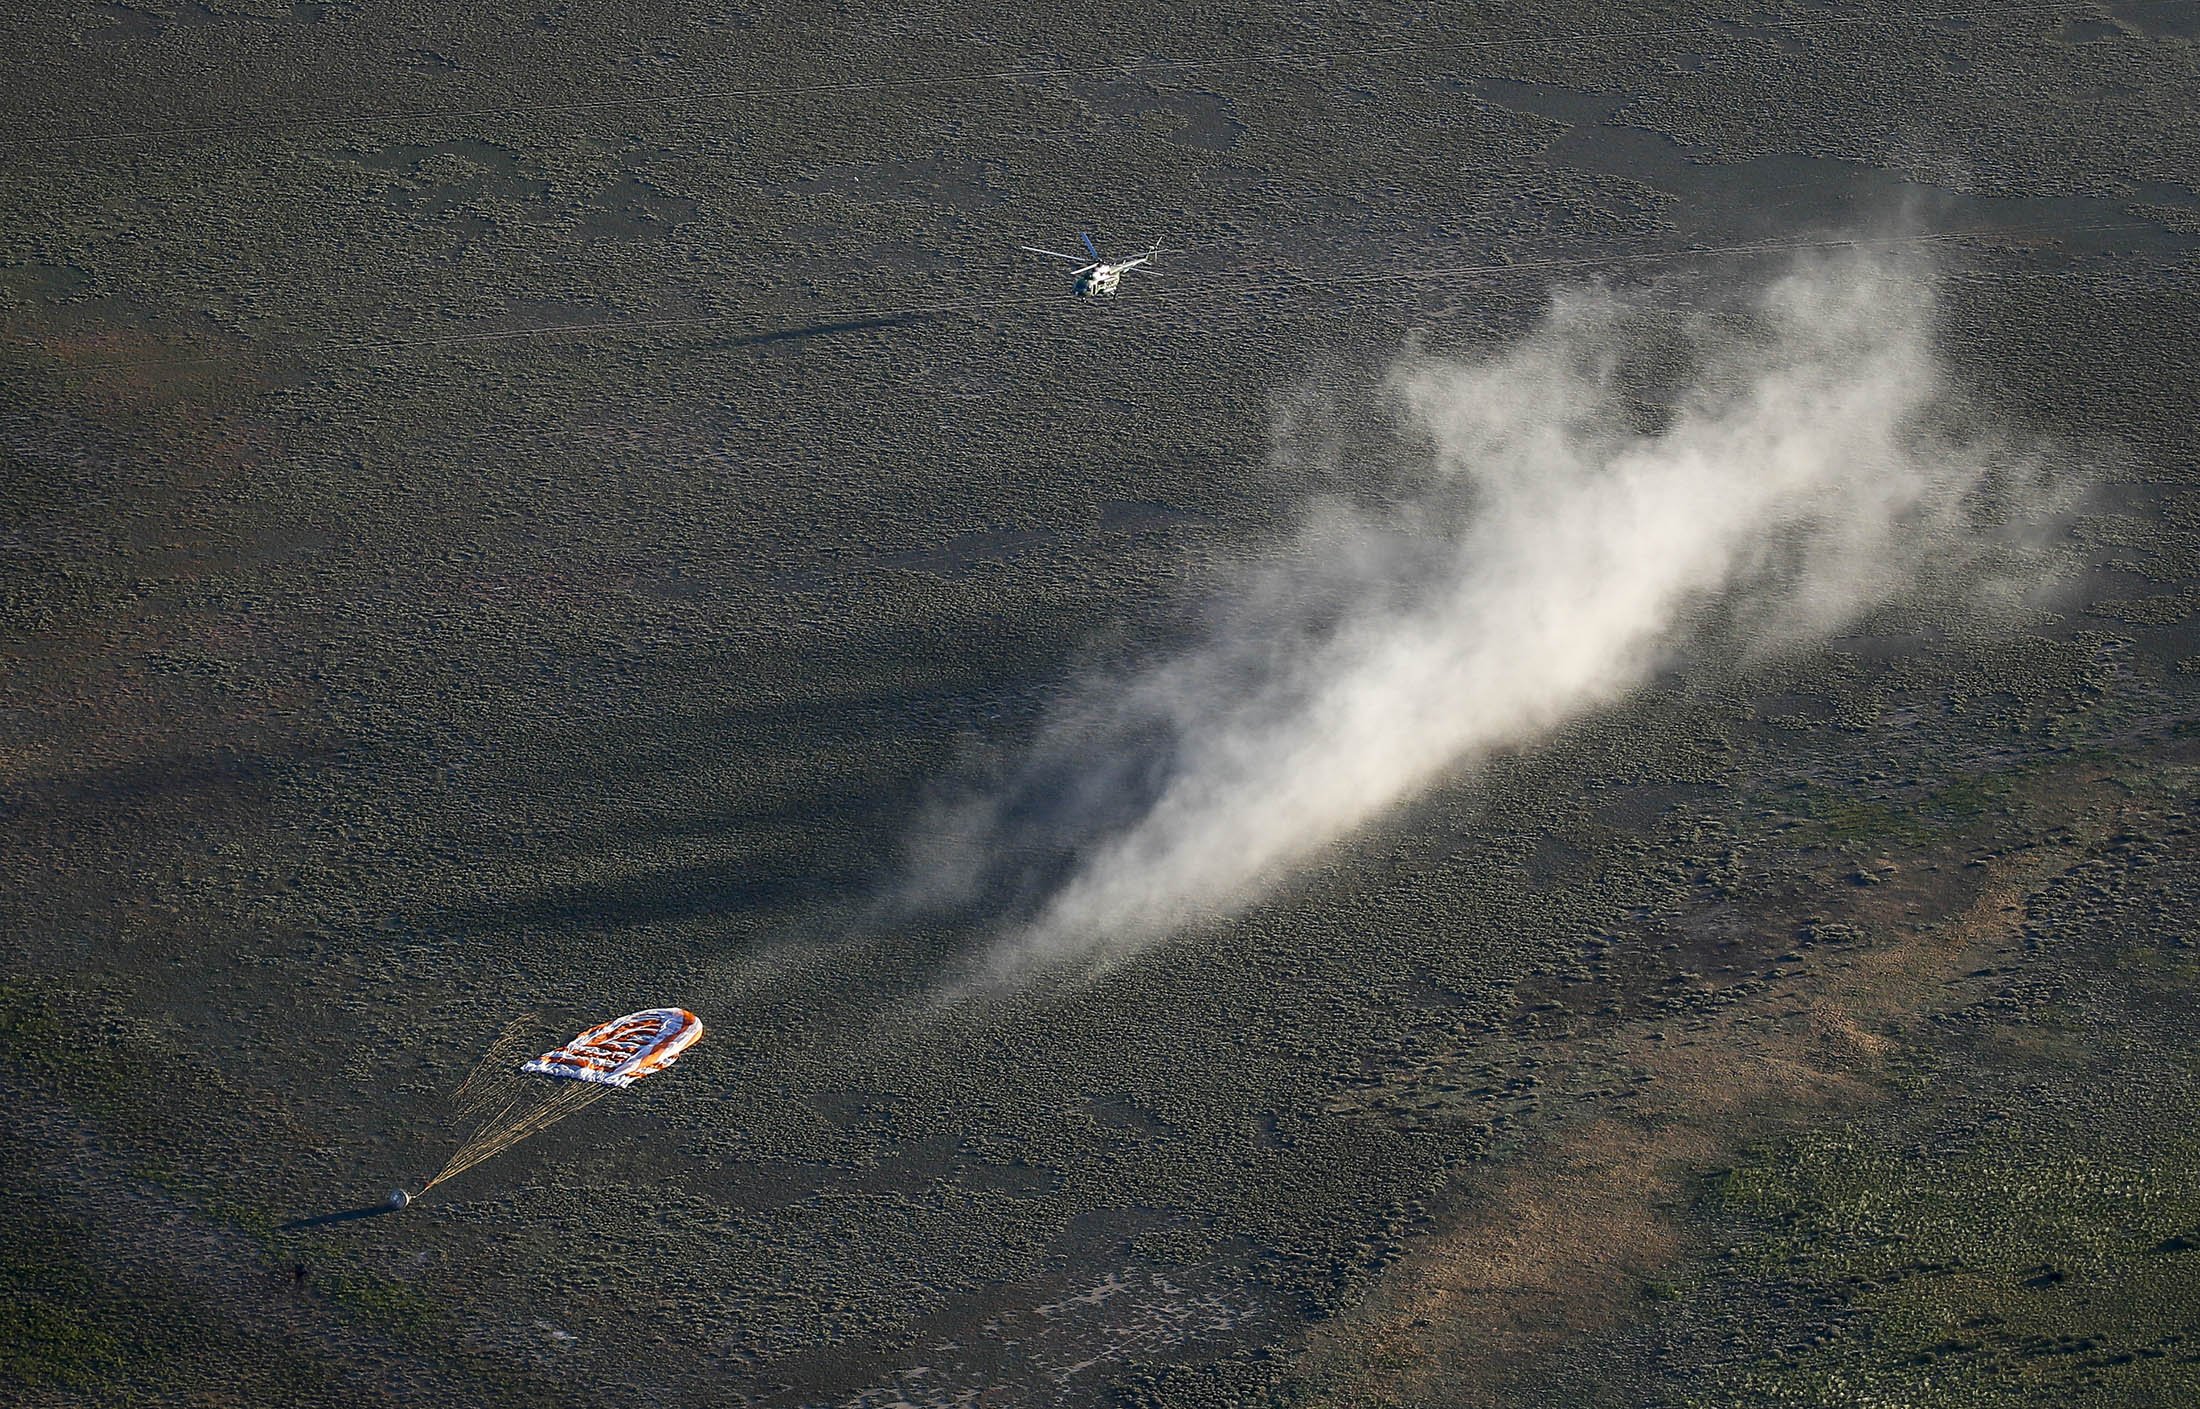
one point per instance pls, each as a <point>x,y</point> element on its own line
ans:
<point>1553,525</point>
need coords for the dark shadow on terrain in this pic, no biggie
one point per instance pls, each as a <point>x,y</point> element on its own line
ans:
<point>695,753</point>
<point>826,330</point>
<point>665,896</point>
<point>182,781</point>
<point>345,1216</point>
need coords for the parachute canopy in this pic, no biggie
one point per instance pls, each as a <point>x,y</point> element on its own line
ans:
<point>624,1050</point>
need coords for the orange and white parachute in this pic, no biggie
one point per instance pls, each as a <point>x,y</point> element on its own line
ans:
<point>502,1107</point>
<point>624,1050</point>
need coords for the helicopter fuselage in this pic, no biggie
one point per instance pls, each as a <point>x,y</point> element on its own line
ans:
<point>1100,281</point>
<point>1100,277</point>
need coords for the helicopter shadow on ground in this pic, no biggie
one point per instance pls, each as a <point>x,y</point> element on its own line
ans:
<point>839,328</point>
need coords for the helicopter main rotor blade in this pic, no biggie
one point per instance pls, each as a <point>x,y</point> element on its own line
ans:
<point>1052,254</point>
<point>1089,246</point>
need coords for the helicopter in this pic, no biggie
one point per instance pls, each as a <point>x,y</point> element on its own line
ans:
<point>1098,277</point>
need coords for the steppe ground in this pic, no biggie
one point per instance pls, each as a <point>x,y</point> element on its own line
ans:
<point>382,665</point>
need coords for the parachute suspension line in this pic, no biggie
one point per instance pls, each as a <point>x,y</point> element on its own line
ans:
<point>497,1107</point>
<point>494,1137</point>
<point>501,1054</point>
<point>503,1101</point>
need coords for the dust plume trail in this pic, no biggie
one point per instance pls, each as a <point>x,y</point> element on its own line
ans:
<point>1543,545</point>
